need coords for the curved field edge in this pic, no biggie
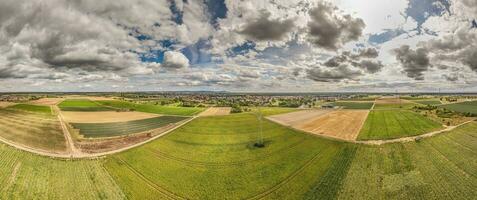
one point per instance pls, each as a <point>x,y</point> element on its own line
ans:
<point>440,167</point>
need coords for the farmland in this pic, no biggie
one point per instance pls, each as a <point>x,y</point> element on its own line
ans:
<point>32,108</point>
<point>150,108</point>
<point>354,105</point>
<point>464,107</point>
<point>428,101</point>
<point>82,105</point>
<point>32,130</point>
<point>216,111</point>
<point>214,158</point>
<point>104,116</point>
<point>388,124</point>
<point>124,128</point>
<point>27,176</point>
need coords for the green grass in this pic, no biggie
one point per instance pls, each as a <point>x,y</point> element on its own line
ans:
<point>82,105</point>
<point>389,124</point>
<point>32,108</point>
<point>33,130</point>
<point>27,176</point>
<point>428,102</point>
<point>267,111</point>
<point>394,106</point>
<point>150,108</point>
<point>464,107</point>
<point>355,105</point>
<point>124,128</point>
<point>213,158</point>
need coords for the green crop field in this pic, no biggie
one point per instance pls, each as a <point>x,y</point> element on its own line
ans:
<point>267,111</point>
<point>428,102</point>
<point>150,108</point>
<point>82,105</point>
<point>27,176</point>
<point>388,124</point>
<point>464,107</point>
<point>403,105</point>
<point>124,128</point>
<point>32,108</point>
<point>355,105</point>
<point>213,158</point>
<point>33,130</point>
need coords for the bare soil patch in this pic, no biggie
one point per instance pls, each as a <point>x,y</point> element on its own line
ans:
<point>104,117</point>
<point>4,104</point>
<point>216,111</point>
<point>338,124</point>
<point>299,117</point>
<point>47,101</point>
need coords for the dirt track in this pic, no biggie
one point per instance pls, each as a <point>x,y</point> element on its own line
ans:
<point>103,117</point>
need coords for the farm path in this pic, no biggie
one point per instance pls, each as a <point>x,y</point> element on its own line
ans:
<point>76,153</point>
<point>411,138</point>
<point>73,151</point>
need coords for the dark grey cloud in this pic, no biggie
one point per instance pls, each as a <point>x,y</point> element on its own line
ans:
<point>330,30</point>
<point>264,28</point>
<point>451,77</point>
<point>371,66</point>
<point>469,58</point>
<point>7,73</point>
<point>414,62</point>
<point>361,59</point>
<point>335,74</point>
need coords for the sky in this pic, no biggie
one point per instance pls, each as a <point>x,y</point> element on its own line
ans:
<point>238,45</point>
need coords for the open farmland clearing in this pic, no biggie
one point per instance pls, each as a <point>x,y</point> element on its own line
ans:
<point>215,159</point>
<point>389,124</point>
<point>216,111</point>
<point>47,101</point>
<point>32,108</point>
<point>338,124</point>
<point>393,103</point>
<point>84,105</point>
<point>354,104</point>
<point>124,128</point>
<point>32,130</point>
<point>150,108</point>
<point>342,124</point>
<point>104,116</point>
<point>463,107</point>
<point>297,118</point>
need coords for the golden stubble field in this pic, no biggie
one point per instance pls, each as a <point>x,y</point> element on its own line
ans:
<point>216,111</point>
<point>341,124</point>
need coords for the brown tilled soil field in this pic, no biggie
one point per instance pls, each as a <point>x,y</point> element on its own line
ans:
<point>4,104</point>
<point>297,118</point>
<point>47,101</point>
<point>341,124</point>
<point>104,117</point>
<point>338,124</point>
<point>216,111</point>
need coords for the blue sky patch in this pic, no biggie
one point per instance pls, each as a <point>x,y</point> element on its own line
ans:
<point>421,10</point>
<point>177,14</point>
<point>241,49</point>
<point>217,9</point>
<point>385,36</point>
